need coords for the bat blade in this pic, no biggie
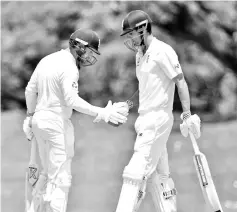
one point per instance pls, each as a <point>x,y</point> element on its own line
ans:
<point>28,190</point>
<point>206,182</point>
<point>32,175</point>
<point>33,168</point>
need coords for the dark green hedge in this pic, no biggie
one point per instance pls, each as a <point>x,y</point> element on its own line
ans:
<point>203,34</point>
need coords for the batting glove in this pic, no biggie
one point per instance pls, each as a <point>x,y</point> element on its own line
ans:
<point>27,128</point>
<point>110,114</point>
<point>121,107</point>
<point>192,123</point>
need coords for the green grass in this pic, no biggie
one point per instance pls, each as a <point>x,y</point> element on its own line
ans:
<point>101,154</point>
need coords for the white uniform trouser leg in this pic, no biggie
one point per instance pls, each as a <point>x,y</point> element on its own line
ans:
<point>153,130</point>
<point>163,166</point>
<point>55,137</point>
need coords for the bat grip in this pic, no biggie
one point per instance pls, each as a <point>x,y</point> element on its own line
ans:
<point>33,151</point>
<point>194,143</point>
<point>130,104</point>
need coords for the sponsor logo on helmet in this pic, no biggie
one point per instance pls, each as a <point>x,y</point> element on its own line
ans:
<point>141,23</point>
<point>122,23</point>
<point>82,41</point>
<point>99,43</point>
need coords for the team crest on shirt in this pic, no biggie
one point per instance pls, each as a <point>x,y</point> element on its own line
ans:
<point>177,66</point>
<point>75,86</point>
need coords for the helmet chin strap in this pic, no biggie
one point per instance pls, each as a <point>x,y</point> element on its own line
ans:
<point>142,44</point>
<point>88,61</point>
<point>79,59</point>
<point>137,47</point>
<point>78,63</point>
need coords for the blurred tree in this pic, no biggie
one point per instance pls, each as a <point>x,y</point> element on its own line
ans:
<point>202,33</point>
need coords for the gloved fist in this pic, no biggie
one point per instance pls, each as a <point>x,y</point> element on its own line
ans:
<point>192,123</point>
<point>27,128</point>
<point>110,114</point>
<point>122,108</point>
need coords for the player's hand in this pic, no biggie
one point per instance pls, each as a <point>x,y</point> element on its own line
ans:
<point>122,108</point>
<point>27,128</point>
<point>110,114</point>
<point>192,123</point>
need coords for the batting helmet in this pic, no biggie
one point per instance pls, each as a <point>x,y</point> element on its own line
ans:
<point>133,20</point>
<point>86,37</point>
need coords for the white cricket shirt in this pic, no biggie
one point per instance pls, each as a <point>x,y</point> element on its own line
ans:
<point>155,71</point>
<point>55,80</point>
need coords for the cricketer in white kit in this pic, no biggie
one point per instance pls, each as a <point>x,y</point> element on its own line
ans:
<point>51,95</point>
<point>158,71</point>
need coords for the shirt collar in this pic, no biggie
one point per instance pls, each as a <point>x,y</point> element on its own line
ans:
<point>67,51</point>
<point>149,48</point>
<point>153,41</point>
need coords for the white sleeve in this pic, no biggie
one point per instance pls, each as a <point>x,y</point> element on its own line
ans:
<point>169,63</point>
<point>31,92</point>
<point>69,84</point>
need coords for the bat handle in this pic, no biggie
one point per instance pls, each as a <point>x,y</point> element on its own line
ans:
<point>33,151</point>
<point>194,143</point>
<point>130,104</point>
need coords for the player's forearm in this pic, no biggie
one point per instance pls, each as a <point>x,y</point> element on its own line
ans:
<point>183,94</point>
<point>83,106</point>
<point>31,101</point>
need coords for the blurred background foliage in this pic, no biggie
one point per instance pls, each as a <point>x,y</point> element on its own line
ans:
<point>204,35</point>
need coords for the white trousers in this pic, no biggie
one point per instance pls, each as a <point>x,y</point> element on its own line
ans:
<point>55,138</point>
<point>150,156</point>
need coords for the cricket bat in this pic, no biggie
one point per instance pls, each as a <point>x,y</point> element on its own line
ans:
<point>205,178</point>
<point>32,174</point>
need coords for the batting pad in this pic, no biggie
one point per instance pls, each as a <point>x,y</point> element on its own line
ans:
<point>128,196</point>
<point>163,194</point>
